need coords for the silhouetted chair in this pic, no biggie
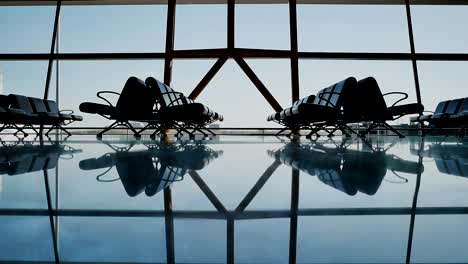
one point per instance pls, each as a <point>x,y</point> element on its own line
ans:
<point>370,106</point>
<point>452,113</point>
<point>317,112</point>
<point>180,112</point>
<point>440,109</point>
<point>135,103</point>
<point>461,118</point>
<point>11,117</point>
<point>30,111</point>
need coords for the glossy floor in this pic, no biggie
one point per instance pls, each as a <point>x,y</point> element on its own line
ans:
<point>234,199</point>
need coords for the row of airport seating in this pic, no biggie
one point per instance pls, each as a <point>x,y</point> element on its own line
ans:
<point>451,113</point>
<point>18,110</point>
<point>156,104</point>
<point>161,108</point>
<point>343,103</point>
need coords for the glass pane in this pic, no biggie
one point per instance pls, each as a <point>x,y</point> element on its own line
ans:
<point>440,28</point>
<point>269,31</point>
<point>200,27</point>
<point>126,28</point>
<point>440,238</point>
<point>200,241</point>
<point>352,239</point>
<point>26,29</point>
<point>112,239</point>
<point>261,241</point>
<point>25,238</point>
<point>352,28</point>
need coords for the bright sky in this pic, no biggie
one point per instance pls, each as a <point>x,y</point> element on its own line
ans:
<point>320,28</point>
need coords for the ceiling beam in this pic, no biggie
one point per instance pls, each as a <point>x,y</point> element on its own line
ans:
<point>194,2</point>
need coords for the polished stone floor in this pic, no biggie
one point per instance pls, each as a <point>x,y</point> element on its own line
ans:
<point>241,199</point>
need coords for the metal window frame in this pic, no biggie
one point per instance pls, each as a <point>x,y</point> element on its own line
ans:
<point>231,51</point>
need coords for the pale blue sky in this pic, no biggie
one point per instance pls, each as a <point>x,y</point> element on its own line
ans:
<point>320,28</point>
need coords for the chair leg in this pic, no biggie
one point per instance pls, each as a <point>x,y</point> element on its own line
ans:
<point>129,126</point>
<point>344,127</point>
<point>209,131</point>
<point>389,127</point>
<point>156,132</point>
<point>462,132</point>
<point>384,125</point>
<point>281,131</point>
<point>64,130</point>
<point>59,127</point>
<point>314,131</point>
<point>115,124</point>
<point>331,133</point>
<point>19,130</point>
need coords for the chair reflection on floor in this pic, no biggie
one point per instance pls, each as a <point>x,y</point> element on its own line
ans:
<point>349,171</point>
<point>449,158</point>
<point>153,169</point>
<point>25,158</point>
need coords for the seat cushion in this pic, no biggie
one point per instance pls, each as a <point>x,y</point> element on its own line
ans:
<point>66,116</point>
<point>425,117</point>
<point>405,109</point>
<point>306,112</point>
<point>94,108</point>
<point>189,112</point>
<point>440,116</point>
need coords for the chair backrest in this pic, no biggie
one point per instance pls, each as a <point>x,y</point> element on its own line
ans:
<point>454,106</point>
<point>336,95</point>
<point>4,101</point>
<point>370,104</point>
<point>166,96</point>
<point>441,107</point>
<point>38,105</point>
<point>21,102</point>
<point>52,106</point>
<point>136,99</point>
<point>464,106</point>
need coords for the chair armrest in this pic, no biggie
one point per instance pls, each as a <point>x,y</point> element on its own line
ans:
<point>106,92</point>
<point>405,95</point>
<point>71,112</point>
